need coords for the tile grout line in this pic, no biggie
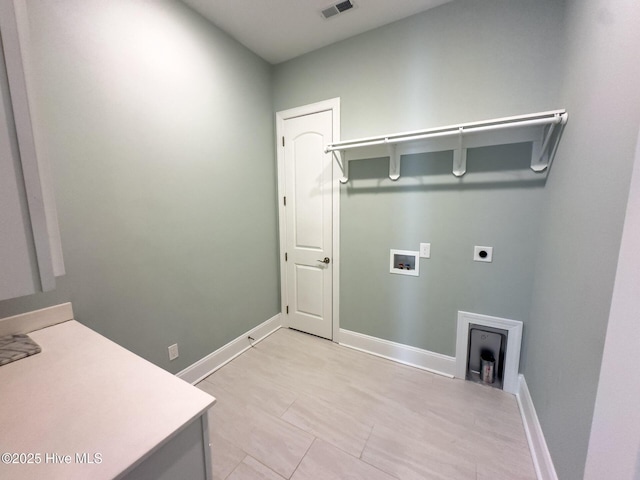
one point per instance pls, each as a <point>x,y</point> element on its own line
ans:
<point>261,463</point>
<point>366,441</point>
<point>235,468</point>
<point>380,469</point>
<point>303,457</point>
<point>371,465</point>
<point>289,408</point>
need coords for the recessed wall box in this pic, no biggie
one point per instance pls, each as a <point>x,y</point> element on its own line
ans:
<point>404,262</point>
<point>484,339</point>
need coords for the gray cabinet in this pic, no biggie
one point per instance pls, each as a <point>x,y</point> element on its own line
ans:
<point>30,250</point>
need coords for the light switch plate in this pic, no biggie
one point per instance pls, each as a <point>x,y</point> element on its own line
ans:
<point>425,250</point>
<point>173,352</point>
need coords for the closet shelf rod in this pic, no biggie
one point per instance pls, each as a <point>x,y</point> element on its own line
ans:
<point>553,118</point>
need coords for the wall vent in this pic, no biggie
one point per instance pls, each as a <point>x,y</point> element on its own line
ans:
<point>337,8</point>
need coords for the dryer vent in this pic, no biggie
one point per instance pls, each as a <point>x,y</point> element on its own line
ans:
<point>337,8</point>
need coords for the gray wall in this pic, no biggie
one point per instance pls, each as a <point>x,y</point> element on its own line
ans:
<point>615,430</point>
<point>584,209</point>
<point>159,130</point>
<point>460,62</point>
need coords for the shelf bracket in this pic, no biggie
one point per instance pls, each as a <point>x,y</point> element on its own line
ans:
<point>394,162</point>
<point>543,150</point>
<point>539,150</point>
<point>460,157</point>
<point>343,164</point>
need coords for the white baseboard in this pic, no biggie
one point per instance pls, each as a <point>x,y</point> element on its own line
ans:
<point>212,362</point>
<point>398,352</point>
<point>537,444</point>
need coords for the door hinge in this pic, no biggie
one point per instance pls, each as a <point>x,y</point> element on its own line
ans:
<point>285,201</point>
<point>283,141</point>
<point>286,257</point>
<point>287,309</point>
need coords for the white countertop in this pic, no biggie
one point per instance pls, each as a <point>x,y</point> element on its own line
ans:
<point>85,394</point>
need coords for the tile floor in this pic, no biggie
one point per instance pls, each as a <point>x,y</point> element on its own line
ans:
<point>298,407</point>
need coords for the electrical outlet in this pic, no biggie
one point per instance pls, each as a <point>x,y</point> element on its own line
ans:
<point>482,254</point>
<point>173,351</point>
<point>425,250</point>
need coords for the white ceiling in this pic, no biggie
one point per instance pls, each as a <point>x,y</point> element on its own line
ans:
<point>278,30</point>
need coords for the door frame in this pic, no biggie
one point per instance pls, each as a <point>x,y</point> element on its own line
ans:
<point>332,105</point>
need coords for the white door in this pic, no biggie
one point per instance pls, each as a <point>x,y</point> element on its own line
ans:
<point>308,222</point>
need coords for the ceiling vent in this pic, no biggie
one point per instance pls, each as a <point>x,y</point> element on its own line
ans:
<point>337,9</point>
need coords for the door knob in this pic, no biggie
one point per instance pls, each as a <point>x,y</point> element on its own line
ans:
<point>326,260</point>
